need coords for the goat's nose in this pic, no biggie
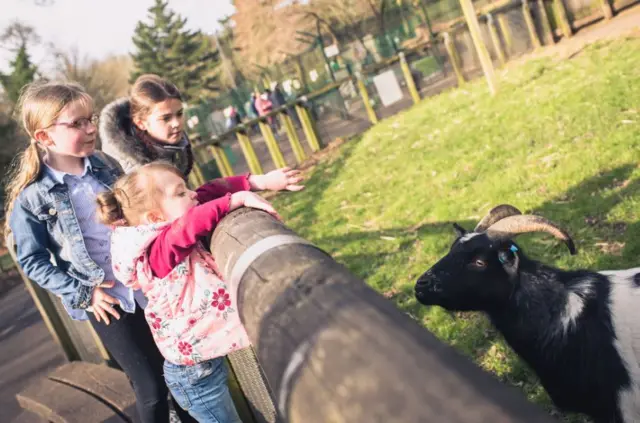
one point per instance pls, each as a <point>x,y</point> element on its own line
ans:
<point>425,279</point>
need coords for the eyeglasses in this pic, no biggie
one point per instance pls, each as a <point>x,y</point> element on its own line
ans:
<point>81,123</point>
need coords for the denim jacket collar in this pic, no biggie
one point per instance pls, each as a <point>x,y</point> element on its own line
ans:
<point>49,180</point>
<point>58,175</point>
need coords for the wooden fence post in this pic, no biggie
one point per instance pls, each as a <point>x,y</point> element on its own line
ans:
<point>77,339</point>
<point>298,151</point>
<point>531,28</point>
<point>373,118</point>
<point>481,49</point>
<point>561,18</point>
<point>411,85</point>
<point>222,161</point>
<point>495,39</point>
<point>249,153</point>
<point>454,57</point>
<point>546,25</point>
<point>506,33</point>
<point>308,128</point>
<point>272,144</point>
<point>607,10</point>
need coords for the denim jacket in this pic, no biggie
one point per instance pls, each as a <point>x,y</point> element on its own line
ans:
<point>43,223</point>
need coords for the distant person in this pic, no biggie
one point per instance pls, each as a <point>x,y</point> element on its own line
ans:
<point>277,96</point>
<point>265,106</point>
<point>250,107</point>
<point>232,117</point>
<point>278,99</point>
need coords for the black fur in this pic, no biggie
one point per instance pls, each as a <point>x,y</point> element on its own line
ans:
<point>581,369</point>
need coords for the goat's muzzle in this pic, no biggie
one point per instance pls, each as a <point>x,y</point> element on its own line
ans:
<point>427,288</point>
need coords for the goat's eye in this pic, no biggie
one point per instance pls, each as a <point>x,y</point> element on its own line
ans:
<point>479,263</point>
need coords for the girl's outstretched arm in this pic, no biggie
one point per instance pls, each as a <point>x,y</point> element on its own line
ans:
<point>276,180</point>
<point>221,186</point>
<point>178,239</point>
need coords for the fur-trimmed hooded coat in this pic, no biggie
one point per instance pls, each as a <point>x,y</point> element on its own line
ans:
<point>120,141</point>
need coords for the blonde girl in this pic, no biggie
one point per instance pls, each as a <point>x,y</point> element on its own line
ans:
<point>157,246</point>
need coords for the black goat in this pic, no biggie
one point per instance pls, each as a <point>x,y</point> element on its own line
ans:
<point>579,330</point>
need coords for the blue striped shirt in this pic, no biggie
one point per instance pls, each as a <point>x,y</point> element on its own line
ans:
<point>83,190</point>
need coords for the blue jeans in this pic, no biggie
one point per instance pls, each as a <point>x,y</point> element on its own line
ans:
<point>202,390</point>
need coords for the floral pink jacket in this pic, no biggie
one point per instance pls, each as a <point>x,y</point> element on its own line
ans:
<point>192,312</point>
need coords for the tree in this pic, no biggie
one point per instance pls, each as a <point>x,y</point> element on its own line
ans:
<point>22,73</point>
<point>265,29</point>
<point>336,15</point>
<point>347,19</point>
<point>224,41</point>
<point>187,58</point>
<point>18,35</point>
<point>16,38</point>
<point>105,80</point>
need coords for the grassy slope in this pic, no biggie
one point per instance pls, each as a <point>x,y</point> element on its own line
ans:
<point>560,139</point>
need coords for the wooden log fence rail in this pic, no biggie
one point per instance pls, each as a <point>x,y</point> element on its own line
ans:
<point>334,350</point>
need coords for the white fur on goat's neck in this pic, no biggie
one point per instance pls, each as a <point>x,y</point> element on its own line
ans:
<point>575,303</point>
<point>466,237</point>
<point>624,301</point>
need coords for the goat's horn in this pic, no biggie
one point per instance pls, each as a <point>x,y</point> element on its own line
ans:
<point>514,225</point>
<point>495,214</point>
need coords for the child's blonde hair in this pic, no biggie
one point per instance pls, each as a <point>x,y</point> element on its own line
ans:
<point>133,195</point>
<point>40,104</point>
<point>149,90</point>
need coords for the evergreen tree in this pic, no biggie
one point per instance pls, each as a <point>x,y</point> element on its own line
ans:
<point>186,58</point>
<point>22,73</point>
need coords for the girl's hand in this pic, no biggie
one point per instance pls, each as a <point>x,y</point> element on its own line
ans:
<point>250,199</point>
<point>102,303</point>
<point>278,180</point>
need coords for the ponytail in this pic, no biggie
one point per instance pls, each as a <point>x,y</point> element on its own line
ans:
<point>110,209</point>
<point>25,169</point>
<point>133,195</point>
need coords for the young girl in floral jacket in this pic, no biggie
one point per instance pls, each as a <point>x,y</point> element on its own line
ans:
<point>157,247</point>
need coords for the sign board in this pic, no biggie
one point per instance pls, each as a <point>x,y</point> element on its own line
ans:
<point>332,50</point>
<point>388,87</point>
<point>286,86</point>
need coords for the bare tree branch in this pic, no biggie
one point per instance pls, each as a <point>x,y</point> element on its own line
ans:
<point>18,34</point>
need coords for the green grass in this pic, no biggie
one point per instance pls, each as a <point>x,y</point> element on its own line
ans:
<point>560,139</point>
<point>6,262</point>
<point>426,66</point>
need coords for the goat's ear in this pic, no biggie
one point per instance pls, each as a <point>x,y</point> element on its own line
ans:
<point>460,231</point>
<point>508,256</point>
